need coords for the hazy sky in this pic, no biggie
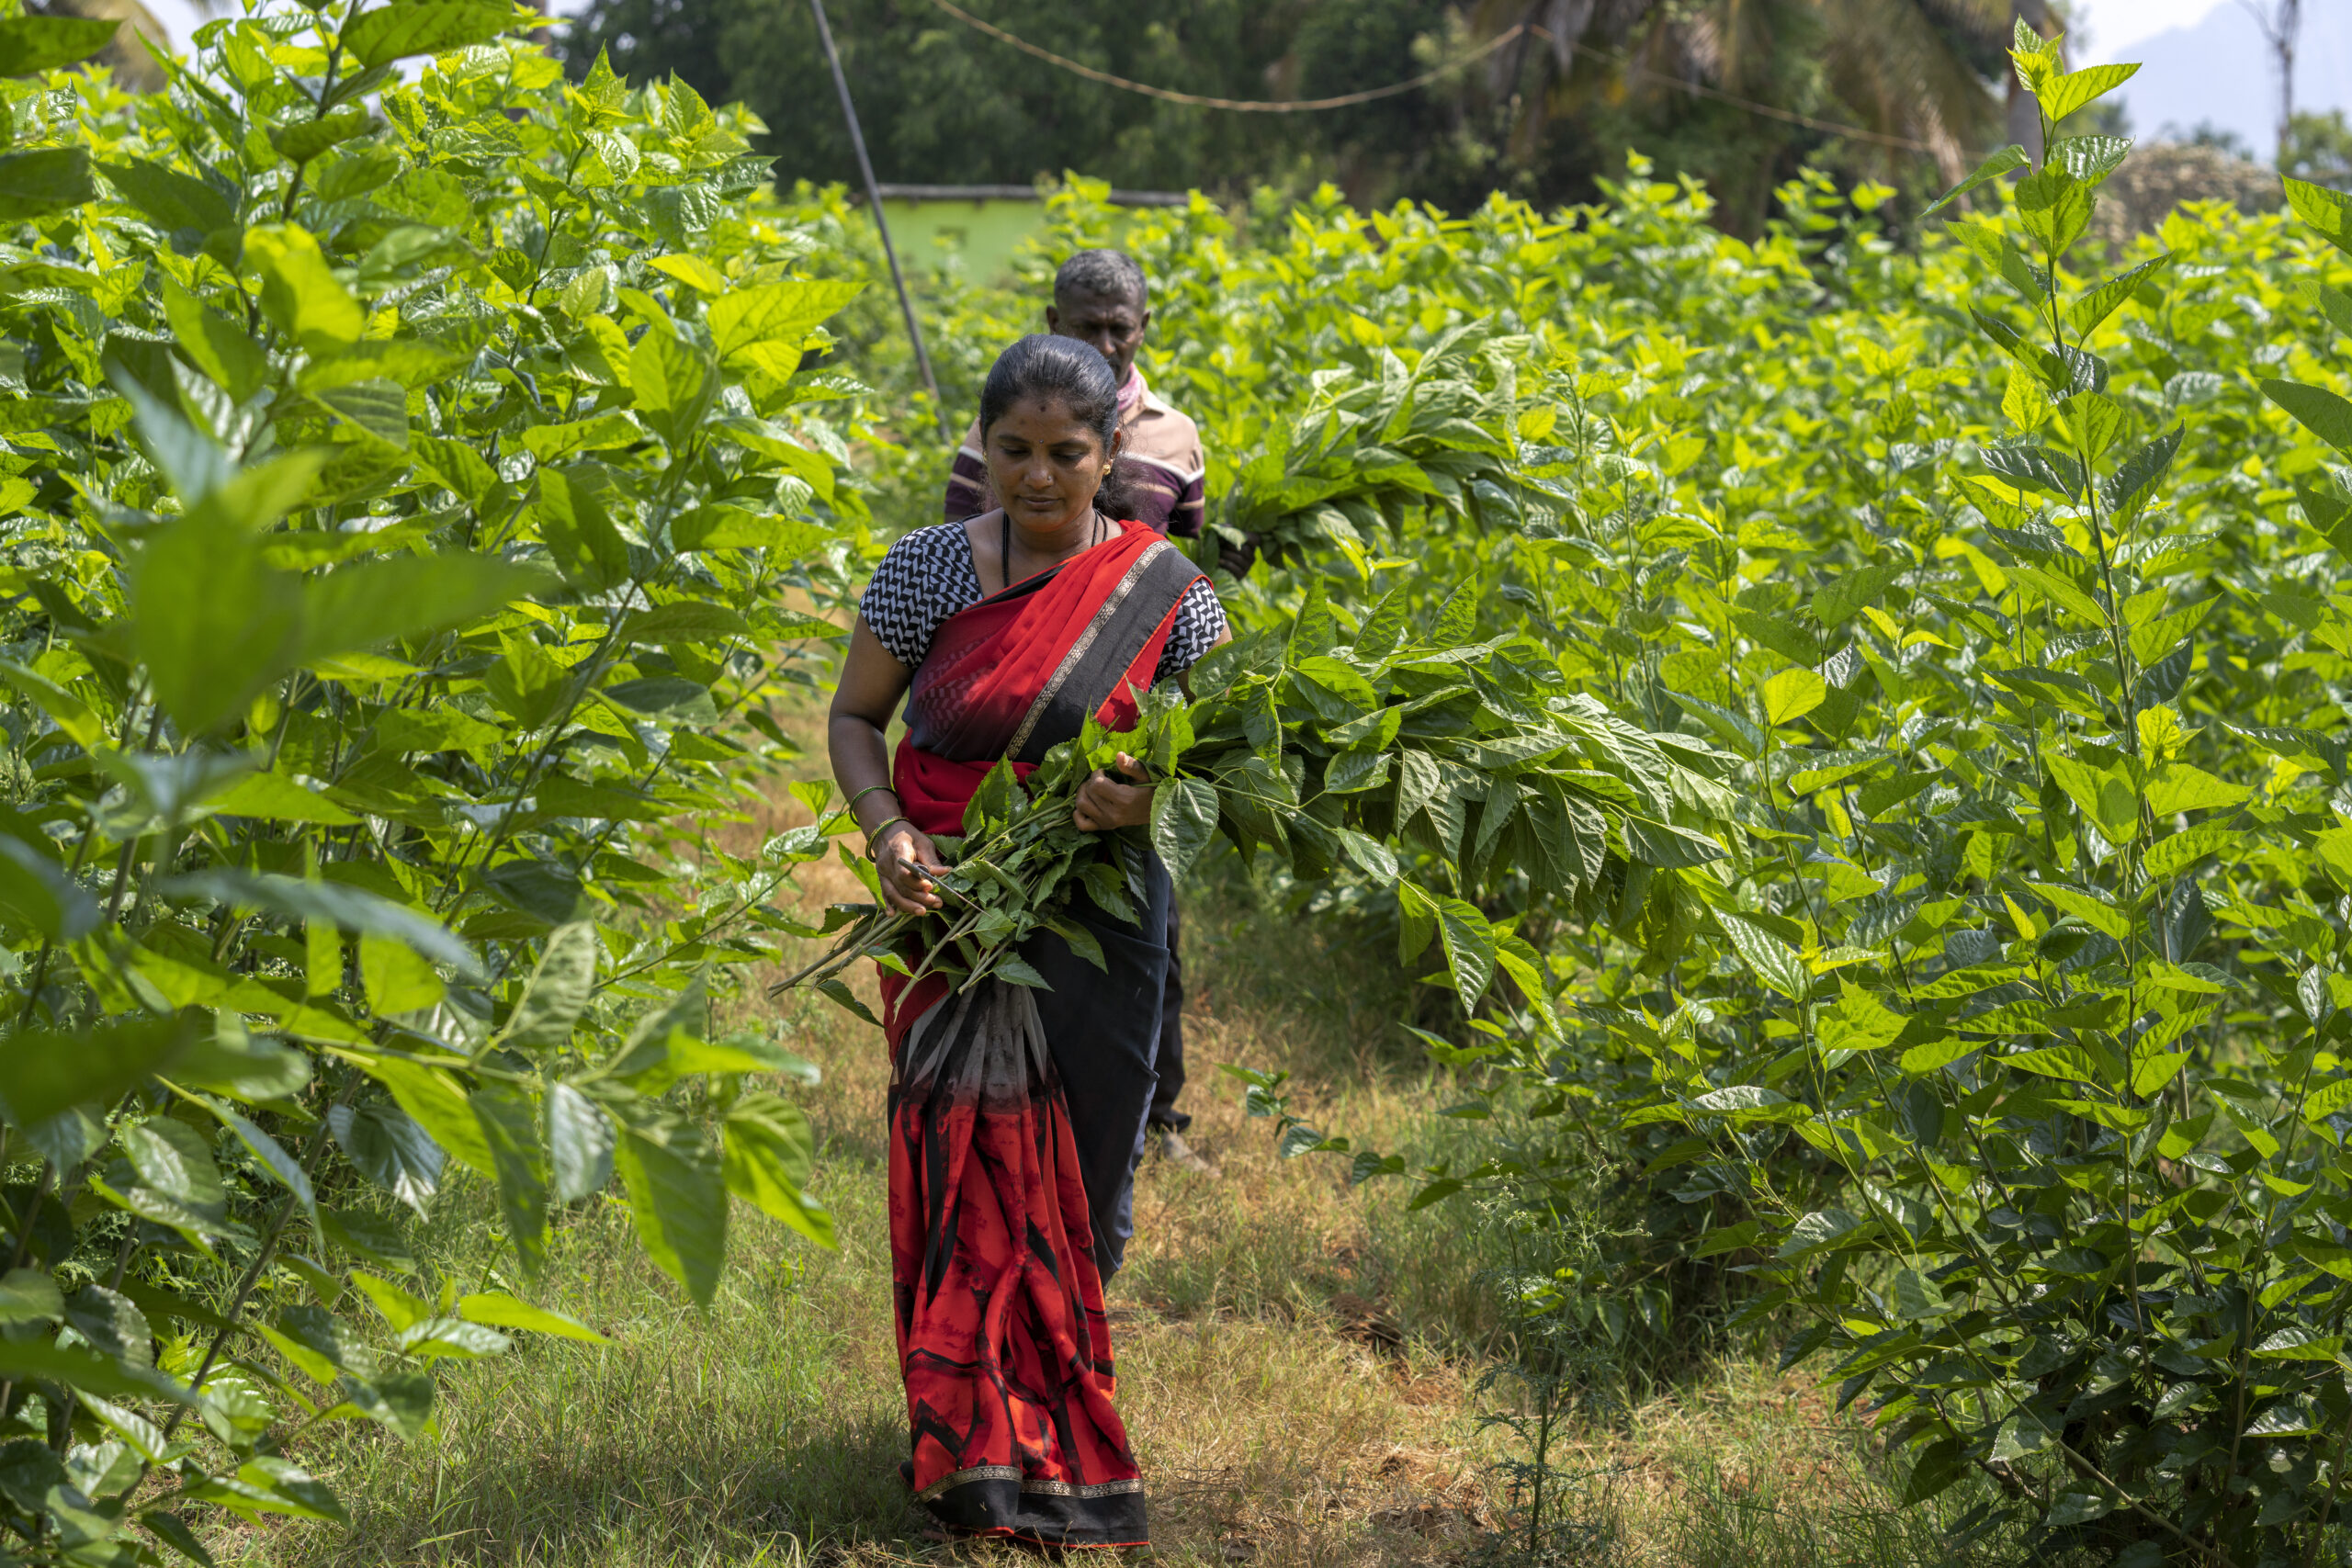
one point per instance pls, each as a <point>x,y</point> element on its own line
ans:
<point>2206,62</point>
<point>2113,24</point>
<point>178,16</point>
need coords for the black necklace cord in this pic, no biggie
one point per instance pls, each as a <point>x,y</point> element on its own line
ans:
<point>1097,530</point>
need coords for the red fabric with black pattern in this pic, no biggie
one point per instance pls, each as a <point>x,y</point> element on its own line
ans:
<point>1002,1334</point>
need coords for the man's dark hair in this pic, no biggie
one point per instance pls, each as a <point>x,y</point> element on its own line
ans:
<point>1066,371</point>
<point>1100,274</point>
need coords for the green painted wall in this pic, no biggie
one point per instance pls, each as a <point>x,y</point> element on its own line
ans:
<point>985,232</point>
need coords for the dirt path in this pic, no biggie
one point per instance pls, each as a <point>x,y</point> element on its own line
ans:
<point>1276,1412</point>
<point>1273,1332</point>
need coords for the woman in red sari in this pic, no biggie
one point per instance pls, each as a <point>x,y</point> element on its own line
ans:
<point>1017,1114</point>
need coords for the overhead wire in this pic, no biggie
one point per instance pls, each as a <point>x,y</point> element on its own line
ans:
<point>1347,100</point>
<point>1700,89</point>
<point>1245,105</point>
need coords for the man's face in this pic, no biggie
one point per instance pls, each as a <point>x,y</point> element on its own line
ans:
<point>1113,324</point>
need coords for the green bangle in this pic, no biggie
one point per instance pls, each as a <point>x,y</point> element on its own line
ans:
<point>851,806</point>
<point>874,834</point>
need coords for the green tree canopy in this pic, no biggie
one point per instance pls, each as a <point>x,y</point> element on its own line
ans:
<point>1541,117</point>
<point>942,105</point>
<point>2319,149</point>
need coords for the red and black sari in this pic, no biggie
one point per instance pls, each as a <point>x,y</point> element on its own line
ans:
<point>1017,1115</point>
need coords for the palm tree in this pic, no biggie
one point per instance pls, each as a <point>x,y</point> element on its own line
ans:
<point>1909,74</point>
<point>127,55</point>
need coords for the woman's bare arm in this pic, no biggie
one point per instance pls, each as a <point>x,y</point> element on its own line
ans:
<point>871,685</point>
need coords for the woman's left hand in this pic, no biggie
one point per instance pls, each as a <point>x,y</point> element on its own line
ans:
<point>1104,802</point>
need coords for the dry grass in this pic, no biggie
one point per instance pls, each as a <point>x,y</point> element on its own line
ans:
<point>1743,1468</point>
<point>1296,1357</point>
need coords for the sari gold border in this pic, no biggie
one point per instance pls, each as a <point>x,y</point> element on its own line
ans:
<point>956,1478</point>
<point>1076,654</point>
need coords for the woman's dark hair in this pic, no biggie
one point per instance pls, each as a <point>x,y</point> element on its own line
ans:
<point>1050,368</point>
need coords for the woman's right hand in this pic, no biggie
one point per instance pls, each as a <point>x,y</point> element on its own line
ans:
<point>906,859</point>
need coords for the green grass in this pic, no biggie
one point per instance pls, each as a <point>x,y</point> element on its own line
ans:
<point>1297,1359</point>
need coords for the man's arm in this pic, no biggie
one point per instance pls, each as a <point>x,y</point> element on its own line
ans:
<point>1192,511</point>
<point>1184,517</point>
<point>968,493</point>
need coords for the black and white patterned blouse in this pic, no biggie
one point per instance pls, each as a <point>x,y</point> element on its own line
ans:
<point>929,575</point>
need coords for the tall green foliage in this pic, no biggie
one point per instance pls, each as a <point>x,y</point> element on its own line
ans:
<point>2004,1066</point>
<point>403,479</point>
<point>1999,1060</point>
<point>2062,1180</point>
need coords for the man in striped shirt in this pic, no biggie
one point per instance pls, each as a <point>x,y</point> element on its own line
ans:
<point>1100,298</point>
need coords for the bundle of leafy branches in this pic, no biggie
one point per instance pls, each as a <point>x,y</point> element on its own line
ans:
<point>1391,754</point>
<point>397,481</point>
<point>1379,438</point>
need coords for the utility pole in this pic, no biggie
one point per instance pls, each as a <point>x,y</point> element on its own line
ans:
<point>881,223</point>
<point>2280,26</point>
